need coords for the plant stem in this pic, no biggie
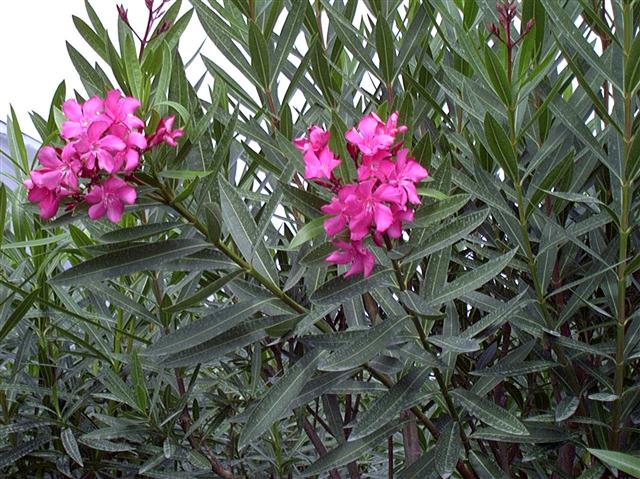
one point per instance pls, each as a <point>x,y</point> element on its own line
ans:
<point>623,243</point>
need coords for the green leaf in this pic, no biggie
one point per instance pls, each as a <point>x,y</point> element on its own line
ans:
<point>351,450</point>
<point>455,344</point>
<point>209,327</point>
<point>386,50</point>
<point>18,313</point>
<point>259,55</point>
<point>309,231</point>
<point>16,452</point>
<point>243,230</point>
<point>622,461</point>
<point>423,468</point>
<point>118,388</point>
<point>203,292</point>
<point>91,80</point>
<point>288,34</point>
<point>391,403</point>
<point>236,337</point>
<point>472,280</point>
<point>279,397</point>
<point>484,467</point>
<point>428,215</point>
<point>133,69</point>
<point>448,450</point>
<point>368,345</point>
<point>71,445</point>
<point>184,174</point>
<point>501,147</point>
<point>490,413</point>
<point>36,242</point>
<point>632,67</point>
<point>128,260</point>
<point>449,234</point>
<point>135,233</point>
<point>341,289</point>
<point>497,75</point>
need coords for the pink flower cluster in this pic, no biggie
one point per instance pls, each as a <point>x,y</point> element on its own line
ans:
<point>378,202</point>
<point>103,143</point>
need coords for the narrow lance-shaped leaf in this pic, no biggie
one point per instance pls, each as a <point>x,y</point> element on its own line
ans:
<point>340,289</point>
<point>472,280</point>
<point>389,405</point>
<point>386,50</point>
<point>243,230</point>
<point>501,146</point>
<point>448,450</point>
<point>351,450</point>
<point>18,313</point>
<point>371,343</point>
<point>490,413</point>
<point>279,397</point>
<point>259,55</point>
<point>206,328</point>
<point>622,461</point>
<point>128,260</point>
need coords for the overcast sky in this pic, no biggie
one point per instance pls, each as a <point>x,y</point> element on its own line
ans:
<point>33,35</point>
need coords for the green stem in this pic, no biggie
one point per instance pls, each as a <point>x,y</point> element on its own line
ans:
<point>531,259</point>
<point>623,244</point>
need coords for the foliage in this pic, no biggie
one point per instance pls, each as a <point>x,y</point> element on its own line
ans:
<point>206,334</point>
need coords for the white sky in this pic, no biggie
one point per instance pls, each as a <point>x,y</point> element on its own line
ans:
<point>35,58</point>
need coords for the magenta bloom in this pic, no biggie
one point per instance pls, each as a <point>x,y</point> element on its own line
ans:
<point>110,198</point>
<point>370,136</point>
<point>355,253</point>
<point>338,208</point>
<point>95,145</point>
<point>407,173</point>
<point>376,166</point>
<point>57,172</point>
<point>320,165</point>
<point>165,132</point>
<point>366,208</point>
<point>392,127</point>
<point>315,139</point>
<point>376,203</point>
<point>118,110</point>
<point>319,160</point>
<point>48,201</point>
<point>128,159</point>
<point>80,117</point>
<point>400,214</point>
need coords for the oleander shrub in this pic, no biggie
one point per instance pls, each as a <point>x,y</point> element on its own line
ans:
<point>376,238</point>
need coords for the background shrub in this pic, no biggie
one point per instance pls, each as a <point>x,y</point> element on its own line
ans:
<point>205,334</point>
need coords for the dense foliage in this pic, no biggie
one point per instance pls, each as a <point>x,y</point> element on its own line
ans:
<point>205,335</point>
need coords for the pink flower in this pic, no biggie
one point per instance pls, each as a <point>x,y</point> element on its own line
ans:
<point>392,127</point>
<point>165,132</point>
<point>320,165</point>
<point>319,160</point>
<point>338,207</point>
<point>366,208</point>
<point>376,166</point>
<point>118,110</point>
<point>80,117</point>
<point>407,173</point>
<point>354,252</point>
<point>400,214</point>
<point>95,145</point>
<point>57,172</point>
<point>128,159</point>
<point>370,136</point>
<point>315,139</point>
<point>48,200</point>
<point>110,198</point>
